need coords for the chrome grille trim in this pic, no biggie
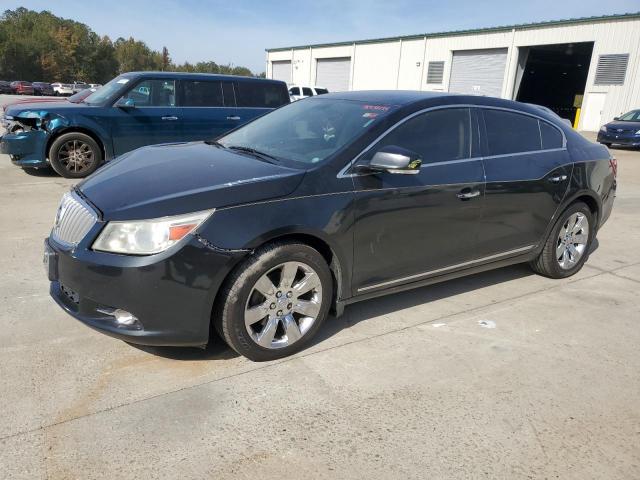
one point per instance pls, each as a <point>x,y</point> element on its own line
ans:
<point>73,220</point>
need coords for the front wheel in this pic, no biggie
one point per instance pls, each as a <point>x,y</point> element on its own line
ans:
<point>567,246</point>
<point>75,155</point>
<point>275,302</point>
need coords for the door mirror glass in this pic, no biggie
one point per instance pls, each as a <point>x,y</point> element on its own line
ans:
<point>125,103</point>
<point>394,159</point>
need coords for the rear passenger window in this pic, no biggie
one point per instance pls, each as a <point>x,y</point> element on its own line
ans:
<point>294,91</point>
<point>260,94</point>
<point>202,93</point>
<point>509,132</point>
<point>306,91</point>
<point>551,136</point>
<point>437,136</point>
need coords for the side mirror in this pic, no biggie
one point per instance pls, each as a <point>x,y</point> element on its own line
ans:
<point>126,103</point>
<point>616,118</point>
<point>393,159</point>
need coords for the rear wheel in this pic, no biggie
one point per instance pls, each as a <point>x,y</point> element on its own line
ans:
<point>75,155</point>
<point>275,302</point>
<point>567,246</point>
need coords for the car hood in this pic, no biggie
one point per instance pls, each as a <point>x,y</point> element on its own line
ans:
<point>42,107</point>
<point>163,180</point>
<point>624,125</point>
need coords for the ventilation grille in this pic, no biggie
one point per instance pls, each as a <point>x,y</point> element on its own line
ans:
<point>73,220</point>
<point>435,72</point>
<point>611,69</point>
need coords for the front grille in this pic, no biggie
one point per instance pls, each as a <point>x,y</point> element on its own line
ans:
<point>73,220</point>
<point>619,131</point>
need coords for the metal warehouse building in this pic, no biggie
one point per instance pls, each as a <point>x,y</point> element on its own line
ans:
<point>586,69</point>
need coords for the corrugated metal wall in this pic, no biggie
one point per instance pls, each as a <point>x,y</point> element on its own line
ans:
<point>401,64</point>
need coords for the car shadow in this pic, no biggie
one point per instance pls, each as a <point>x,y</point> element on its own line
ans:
<point>367,309</point>
<point>41,172</point>
<point>216,349</point>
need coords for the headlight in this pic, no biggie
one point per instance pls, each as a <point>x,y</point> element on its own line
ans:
<point>146,237</point>
<point>603,128</point>
<point>638,132</point>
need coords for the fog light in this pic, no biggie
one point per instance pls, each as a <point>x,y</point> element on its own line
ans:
<point>124,318</point>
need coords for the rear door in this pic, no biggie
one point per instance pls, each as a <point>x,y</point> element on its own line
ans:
<point>412,227</point>
<point>207,108</point>
<point>528,169</point>
<point>150,118</point>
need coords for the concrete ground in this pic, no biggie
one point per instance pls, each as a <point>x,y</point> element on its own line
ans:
<point>503,374</point>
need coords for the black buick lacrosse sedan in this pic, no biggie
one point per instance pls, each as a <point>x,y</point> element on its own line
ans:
<point>327,201</point>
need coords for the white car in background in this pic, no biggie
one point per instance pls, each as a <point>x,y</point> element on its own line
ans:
<point>62,89</point>
<point>298,92</point>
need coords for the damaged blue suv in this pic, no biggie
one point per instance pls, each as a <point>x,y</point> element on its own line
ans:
<point>133,110</point>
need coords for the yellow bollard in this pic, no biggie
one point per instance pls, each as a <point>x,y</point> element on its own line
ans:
<point>577,119</point>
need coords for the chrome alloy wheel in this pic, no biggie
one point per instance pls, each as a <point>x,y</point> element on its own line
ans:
<point>76,156</point>
<point>572,240</point>
<point>283,305</point>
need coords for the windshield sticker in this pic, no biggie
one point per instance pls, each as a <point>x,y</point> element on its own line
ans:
<point>381,108</point>
<point>369,114</point>
<point>123,80</point>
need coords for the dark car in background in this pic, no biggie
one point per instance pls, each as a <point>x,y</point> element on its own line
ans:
<point>5,87</point>
<point>20,87</point>
<point>42,88</point>
<point>624,130</point>
<point>325,202</point>
<point>131,111</point>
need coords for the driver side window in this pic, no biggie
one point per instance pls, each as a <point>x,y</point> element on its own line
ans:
<point>152,93</point>
<point>437,136</point>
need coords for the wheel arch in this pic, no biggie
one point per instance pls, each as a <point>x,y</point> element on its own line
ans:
<point>336,265</point>
<point>590,199</point>
<point>75,129</point>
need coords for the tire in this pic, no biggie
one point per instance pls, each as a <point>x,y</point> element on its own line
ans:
<point>274,314</point>
<point>558,259</point>
<point>88,159</point>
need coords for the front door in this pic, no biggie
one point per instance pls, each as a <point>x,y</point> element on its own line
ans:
<point>411,227</point>
<point>528,170</point>
<point>146,115</point>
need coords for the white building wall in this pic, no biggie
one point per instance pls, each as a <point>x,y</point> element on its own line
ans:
<point>411,65</point>
<point>402,63</point>
<point>376,66</point>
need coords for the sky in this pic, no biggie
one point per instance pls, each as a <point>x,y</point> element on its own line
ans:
<point>239,31</point>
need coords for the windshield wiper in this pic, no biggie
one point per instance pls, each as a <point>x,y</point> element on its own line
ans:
<point>255,153</point>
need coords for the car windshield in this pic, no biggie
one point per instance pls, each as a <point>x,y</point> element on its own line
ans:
<point>307,131</point>
<point>633,116</point>
<point>107,91</point>
<point>81,95</point>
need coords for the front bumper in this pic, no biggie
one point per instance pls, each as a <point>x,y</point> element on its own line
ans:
<point>171,294</point>
<point>628,140</point>
<point>26,149</point>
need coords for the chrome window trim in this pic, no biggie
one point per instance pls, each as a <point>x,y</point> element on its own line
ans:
<point>418,276</point>
<point>343,172</point>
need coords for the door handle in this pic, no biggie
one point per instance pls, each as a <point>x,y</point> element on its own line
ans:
<point>170,118</point>
<point>233,117</point>
<point>466,195</point>
<point>557,179</point>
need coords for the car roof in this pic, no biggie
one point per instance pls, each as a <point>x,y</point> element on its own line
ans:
<point>204,76</point>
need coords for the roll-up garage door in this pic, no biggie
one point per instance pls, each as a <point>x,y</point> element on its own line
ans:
<point>333,73</point>
<point>281,70</point>
<point>478,72</point>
